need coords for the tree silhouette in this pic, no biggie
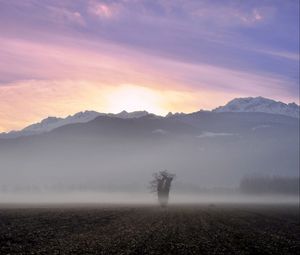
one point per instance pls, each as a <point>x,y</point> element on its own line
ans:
<point>161,185</point>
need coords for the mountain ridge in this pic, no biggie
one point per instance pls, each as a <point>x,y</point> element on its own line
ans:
<point>50,123</point>
<point>246,105</point>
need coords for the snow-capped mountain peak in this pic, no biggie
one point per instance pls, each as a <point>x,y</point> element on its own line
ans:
<point>51,123</point>
<point>260,104</point>
<point>82,117</point>
<point>44,124</point>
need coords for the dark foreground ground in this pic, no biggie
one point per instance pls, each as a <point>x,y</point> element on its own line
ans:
<point>215,229</point>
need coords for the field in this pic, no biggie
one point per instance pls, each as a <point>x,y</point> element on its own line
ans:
<point>205,229</point>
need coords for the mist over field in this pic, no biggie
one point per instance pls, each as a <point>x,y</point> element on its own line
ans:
<point>229,157</point>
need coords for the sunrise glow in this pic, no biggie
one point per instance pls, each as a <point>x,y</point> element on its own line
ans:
<point>135,98</point>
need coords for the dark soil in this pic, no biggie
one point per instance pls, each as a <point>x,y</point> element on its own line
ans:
<point>211,229</point>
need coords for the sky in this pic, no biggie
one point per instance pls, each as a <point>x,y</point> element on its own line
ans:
<point>59,57</point>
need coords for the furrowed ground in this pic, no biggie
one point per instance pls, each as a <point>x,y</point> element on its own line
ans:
<point>215,229</point>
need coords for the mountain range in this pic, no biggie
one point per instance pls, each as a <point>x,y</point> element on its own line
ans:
<point>249,104</point>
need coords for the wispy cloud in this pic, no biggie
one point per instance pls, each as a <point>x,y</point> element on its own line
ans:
<point>116,64</point>
<point>212,135</point>
<point>282,54</point>
<point>63,15</point>
<point>228,16</point>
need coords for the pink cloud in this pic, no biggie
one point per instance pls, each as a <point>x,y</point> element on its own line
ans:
<point>251,18</point>
<point>103,10</point>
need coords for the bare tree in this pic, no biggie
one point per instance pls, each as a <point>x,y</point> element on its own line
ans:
<point>161,185</point>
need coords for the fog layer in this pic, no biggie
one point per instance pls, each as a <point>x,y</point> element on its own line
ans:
<point>206,151</point>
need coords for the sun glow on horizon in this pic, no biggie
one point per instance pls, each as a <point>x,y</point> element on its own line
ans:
<point>135,98</point>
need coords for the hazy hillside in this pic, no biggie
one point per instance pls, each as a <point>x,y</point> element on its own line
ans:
<point>204,149</point>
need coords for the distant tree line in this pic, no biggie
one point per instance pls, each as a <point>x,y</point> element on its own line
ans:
<point>270,185</point>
